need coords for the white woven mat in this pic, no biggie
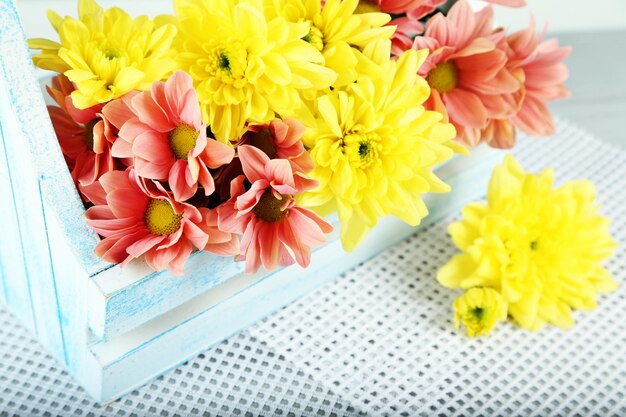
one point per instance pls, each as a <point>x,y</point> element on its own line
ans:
<point>380,341</point>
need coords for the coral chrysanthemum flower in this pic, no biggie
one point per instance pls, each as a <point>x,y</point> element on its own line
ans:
<point>141,218</point>
<point>338,31</point>
<point>479,309</point>
<point>246,67</point>
<point>275,230</point>
<point>540,66</point>
<point>85,136</point>
<point>414,10</point>
<point>106,54</point>
<point>544,75</point>
<point>406,27</point>
<point>162,131</point>
<point>280,139</point>
<point>509,3</point>
<point>541,247</point>
<point>467,71</point>
<point>374,147</point>
<point>220,242</point>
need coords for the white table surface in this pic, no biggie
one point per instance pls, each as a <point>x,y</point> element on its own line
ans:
<point>302,373</point>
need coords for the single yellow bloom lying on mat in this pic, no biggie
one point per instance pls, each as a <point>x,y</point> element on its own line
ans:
<point>106,54</point>
<point>479,309</point>
<point>541,247</point>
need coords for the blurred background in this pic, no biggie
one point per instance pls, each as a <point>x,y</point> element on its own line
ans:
<point>596,30</point>
<point>563,16</point>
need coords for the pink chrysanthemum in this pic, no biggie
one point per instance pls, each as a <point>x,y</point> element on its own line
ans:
<point>279,139</point>
<point>140,218</point>
<point>220,242</point>
<point>85,137</point>
<point>544,75</point>
<point>539,65</point>
<point>408,25</point>
<point>509,3</point>
<point>413,12</point>
<point>162,131</point>
<point>275,230</point>
<point>467,70</point>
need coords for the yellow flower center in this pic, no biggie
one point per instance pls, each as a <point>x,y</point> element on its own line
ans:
<point>269,208</point>
<point>362,149</point>
<point>111,51</point>
<point>88,134</point>
<point>444,77</point>
<point>161,219</point>
<point>367,6</point>
<point>228,63</point>
<point>223,62</point>
<point>478,313</point>
<point>315,37</point>
<point>183,140</point>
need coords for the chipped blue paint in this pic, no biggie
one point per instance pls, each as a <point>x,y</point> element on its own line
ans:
<point>70,286</point>
<point>27,101</point>
<point>11,252</point>
<point>54,280</point>
<point>162,291</point>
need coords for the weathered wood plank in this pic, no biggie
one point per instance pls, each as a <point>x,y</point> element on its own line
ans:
<point>28,207</point>
<point>70,283</point>
<point>155,294</point>
<point>26,100</point>
<point>15,283</point>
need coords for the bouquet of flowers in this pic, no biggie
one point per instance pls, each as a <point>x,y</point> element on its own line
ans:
<point>235,126</point>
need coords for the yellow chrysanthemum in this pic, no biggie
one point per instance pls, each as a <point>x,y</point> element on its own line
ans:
<point>540,246</point>
<point>106,54</point>
<point>246,67</point>
<point>338,32</point>
<point>479,309</point>
<point>374,147</point>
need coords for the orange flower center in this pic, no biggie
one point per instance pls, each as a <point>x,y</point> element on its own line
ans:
<point>160,217</point>
<point>444,77</point>
<point>183,140</point>
<point>269,208</point>
<point>367,6</point>
<point>88,135</point>
<point>263,141</point>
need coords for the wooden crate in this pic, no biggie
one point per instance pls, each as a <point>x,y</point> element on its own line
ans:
<point>116,329</point>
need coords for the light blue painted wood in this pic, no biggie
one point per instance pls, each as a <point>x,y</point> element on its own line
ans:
<point>158,293</point>
<point>5,201</point>
<point>30,153</point>
<point>25,96</point>
<point>16,284</point>
<point>70,283</point>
